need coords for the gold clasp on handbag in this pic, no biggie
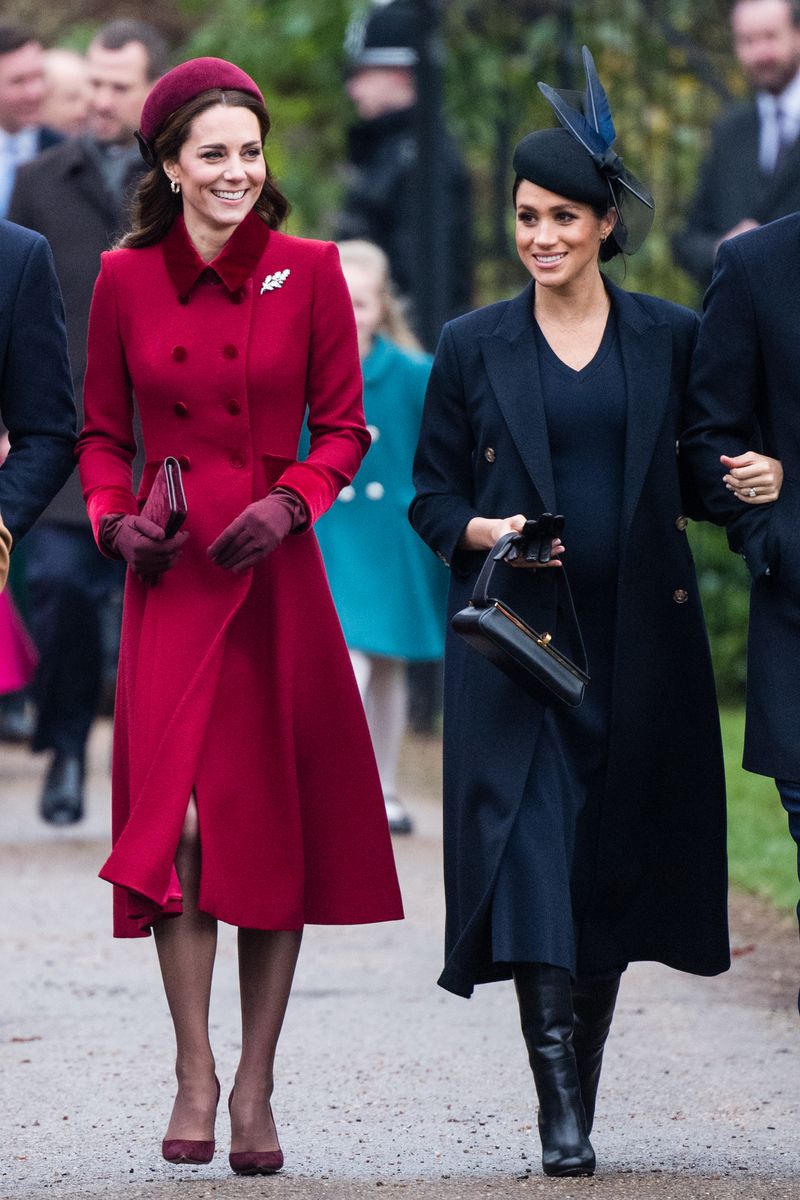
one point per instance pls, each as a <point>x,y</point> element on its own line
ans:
<point>544,639</point>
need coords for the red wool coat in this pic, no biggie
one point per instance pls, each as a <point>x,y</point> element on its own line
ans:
<point>238,688</point>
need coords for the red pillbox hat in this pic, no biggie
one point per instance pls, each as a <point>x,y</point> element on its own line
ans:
<point>182,84</point>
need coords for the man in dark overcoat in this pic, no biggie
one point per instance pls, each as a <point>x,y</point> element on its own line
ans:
<point>752,172</point>
<point>77,195</point>
<point>745,385</point>
<point>36,404</point>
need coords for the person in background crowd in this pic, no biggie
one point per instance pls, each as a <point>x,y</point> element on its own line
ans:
<point>22,91</point>
<point>66,99</point>
<point>752,172</point>
<point>381,203</point>
<point>36,404</point>
<point>384,627</point>
<point>244,784</point>
<point>577,840</point>
<point>77,194</point>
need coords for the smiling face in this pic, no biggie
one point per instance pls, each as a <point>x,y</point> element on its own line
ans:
<point>221,171</point>
<point>558,239</point>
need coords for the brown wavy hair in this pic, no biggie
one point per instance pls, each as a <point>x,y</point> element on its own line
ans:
<point>155,206</point>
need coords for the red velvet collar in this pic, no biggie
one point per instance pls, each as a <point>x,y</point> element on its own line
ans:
<point>234,264</point>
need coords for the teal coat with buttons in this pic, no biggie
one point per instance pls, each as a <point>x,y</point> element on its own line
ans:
<point>659,873</point>
<point>389,590</point>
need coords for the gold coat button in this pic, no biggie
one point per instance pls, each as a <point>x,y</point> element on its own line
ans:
<point>489,454</point>
<point>680,595</point>
<point>681,522</point>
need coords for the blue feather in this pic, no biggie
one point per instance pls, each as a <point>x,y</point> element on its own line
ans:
<point>574,122</point>
<point>596,105</point>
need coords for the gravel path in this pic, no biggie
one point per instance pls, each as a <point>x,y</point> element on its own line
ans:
<point>387,1086</point>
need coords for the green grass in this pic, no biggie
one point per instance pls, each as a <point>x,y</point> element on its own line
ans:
<point>762,856</point>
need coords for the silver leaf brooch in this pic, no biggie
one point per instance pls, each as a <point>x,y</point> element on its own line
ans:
<point>276,280</point>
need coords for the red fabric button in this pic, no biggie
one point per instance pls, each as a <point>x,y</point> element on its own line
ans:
<point>238,296</point>
<point>230,352</point>
<point>179,353</point>
<point>180,409</point>
<point>234,407</point>
<point>237,460</point>
<point>185,463</point>
<point>183,299</point>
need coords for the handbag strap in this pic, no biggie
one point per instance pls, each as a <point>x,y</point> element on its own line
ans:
<point>482,599</point>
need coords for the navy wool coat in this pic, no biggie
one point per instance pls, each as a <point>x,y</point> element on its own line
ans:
<point>36,403</point>
<point>745,390</point>
<point>660,869</point>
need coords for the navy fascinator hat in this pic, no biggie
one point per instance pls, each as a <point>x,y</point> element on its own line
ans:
<point>578,160</point>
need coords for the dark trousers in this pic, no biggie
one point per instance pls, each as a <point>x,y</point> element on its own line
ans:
<point>790,799</point>
<point>71,589</point>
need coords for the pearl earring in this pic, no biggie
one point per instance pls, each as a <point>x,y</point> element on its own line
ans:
<point>174,186</point>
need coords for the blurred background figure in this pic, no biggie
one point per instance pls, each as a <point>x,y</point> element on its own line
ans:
<point>22,90</point>
<point>77,195</point>
<point>752,172</point>
<point>385,203</point>
<point>366,539</point>
<point>381,204</point>
<point>66,99</point>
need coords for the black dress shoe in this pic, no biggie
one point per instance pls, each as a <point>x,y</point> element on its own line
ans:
<point>62,795</point>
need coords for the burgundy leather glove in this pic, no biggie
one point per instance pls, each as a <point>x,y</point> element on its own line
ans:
<point>141,543</point>
<point>258,531</point>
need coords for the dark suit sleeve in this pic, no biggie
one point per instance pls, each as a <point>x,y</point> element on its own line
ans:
<point>442,506</point>
<point>36,400</point>
<point>727,382</point>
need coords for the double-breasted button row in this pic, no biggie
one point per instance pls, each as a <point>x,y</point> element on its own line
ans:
<point>180,409</point>
<point>233,407</point>
<point>230,351</point>
<point>185,463</point>
<point>680,595</point>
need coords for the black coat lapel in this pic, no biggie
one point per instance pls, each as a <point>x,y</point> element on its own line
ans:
<point>646,348</point>
<point>511,361</point>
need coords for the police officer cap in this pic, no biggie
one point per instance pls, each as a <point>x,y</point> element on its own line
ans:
<point>387,37</point>
<point>553,159</point>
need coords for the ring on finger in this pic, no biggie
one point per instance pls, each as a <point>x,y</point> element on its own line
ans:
<point>752,492</point>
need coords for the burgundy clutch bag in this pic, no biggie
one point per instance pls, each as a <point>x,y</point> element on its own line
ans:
<point>166,504</point>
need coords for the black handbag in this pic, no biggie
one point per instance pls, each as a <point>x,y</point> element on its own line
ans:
<point>525,656</point>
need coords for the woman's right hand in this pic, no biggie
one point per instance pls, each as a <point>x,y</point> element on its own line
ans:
<point>482,533</point>
<point>143,546</point>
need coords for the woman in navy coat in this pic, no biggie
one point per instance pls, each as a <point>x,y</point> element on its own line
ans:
<point>576,841</point>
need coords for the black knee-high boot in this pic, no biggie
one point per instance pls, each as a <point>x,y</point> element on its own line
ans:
<point>593,1001</point>
<point>545,1007</point>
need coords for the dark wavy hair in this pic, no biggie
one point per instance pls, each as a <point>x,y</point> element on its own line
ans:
<point>155,206</point>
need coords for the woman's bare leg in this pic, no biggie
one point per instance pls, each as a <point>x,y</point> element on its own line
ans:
<point>267,961</point>
<point>186,948</point>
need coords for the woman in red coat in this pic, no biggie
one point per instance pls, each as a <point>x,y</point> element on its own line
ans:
<point>244,786</point>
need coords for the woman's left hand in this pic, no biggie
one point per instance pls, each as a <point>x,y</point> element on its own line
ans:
<point>752,477</point>
<point>254,534</point>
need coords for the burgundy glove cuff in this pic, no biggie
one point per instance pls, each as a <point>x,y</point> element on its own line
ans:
<point>108,530</point>
<point>295,506</point>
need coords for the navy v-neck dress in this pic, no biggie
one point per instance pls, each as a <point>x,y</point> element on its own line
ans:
<point>544,886</point>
